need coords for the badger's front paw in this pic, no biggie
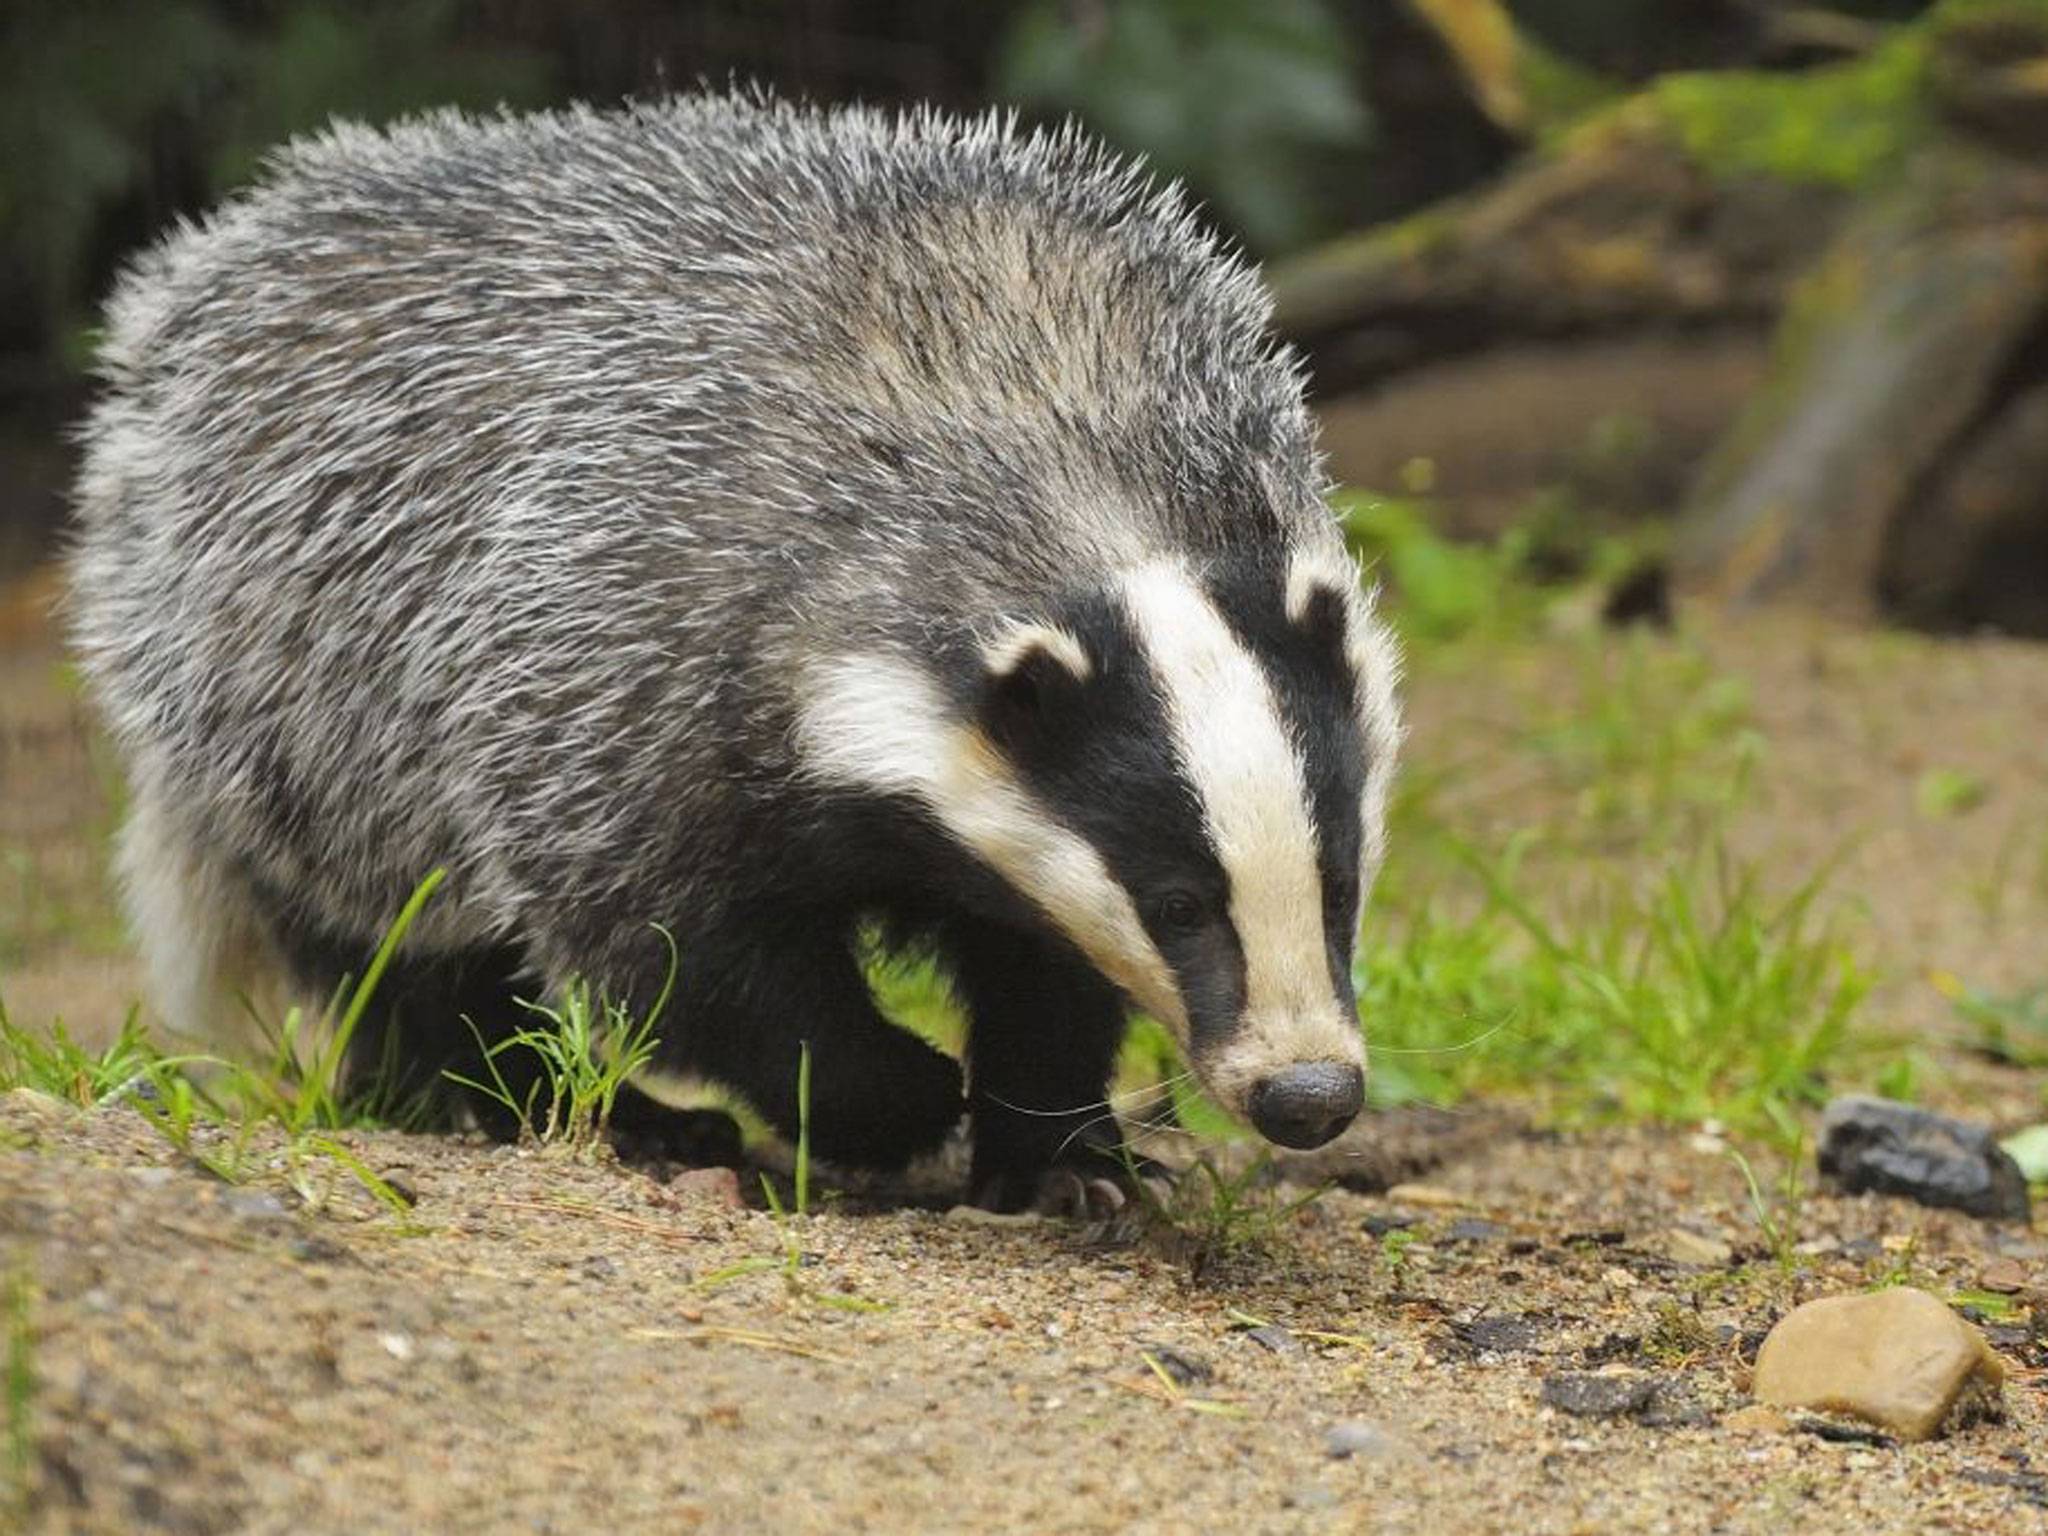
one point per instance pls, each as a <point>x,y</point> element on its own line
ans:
<point>1090,1184</point>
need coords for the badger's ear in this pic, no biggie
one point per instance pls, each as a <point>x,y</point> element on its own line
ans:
<point>1319,603</point>
<point>1026,671</point>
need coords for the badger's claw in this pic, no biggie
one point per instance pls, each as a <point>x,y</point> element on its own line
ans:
<point>1097,1188</point>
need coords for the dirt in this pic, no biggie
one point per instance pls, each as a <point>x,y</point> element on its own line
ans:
<point>553,1349</point>
<point>550,1344</point>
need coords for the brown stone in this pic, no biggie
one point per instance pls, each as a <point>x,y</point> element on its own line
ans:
<point>2006,1276</point>
<point>1899,1359</point>
<point>1757,1419</point>
<point>1431,1195</point>
<point>709,1186</point>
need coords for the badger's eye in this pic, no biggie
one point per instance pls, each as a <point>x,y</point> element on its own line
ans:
<point>1179,912</point>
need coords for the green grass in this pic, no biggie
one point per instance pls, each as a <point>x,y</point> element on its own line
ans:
<point>1654,746</point>
<point>1564,914</point>
<point>1442,591</point>
<point>2008,1026</point>
<point>1779,1214</point>
<point>1697,996</point>
<point>1209,1216</point>
<point>217,1112</point>
<point>303,1091</point>
<point>789,1262</point>
<point>588,1047</point>
<point>52,1062</point>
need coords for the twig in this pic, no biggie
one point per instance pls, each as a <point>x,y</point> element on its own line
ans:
<point>751,1338</point>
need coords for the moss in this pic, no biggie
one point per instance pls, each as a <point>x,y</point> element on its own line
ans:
<point>1973,13</point>
<point>1849,125</point>
<point>1560,92</point>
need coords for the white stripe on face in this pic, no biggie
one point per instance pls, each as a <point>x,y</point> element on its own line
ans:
<point>877,722</point>
<point>1236,750</point>
<point>1375,669</point>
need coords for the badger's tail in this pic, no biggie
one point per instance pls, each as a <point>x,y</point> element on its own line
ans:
<point>211,969</point>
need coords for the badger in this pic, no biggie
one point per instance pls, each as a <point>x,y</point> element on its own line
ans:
<point>763,521</point>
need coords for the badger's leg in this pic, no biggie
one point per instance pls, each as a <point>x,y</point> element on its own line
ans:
<point>758,994</point>
<point>434,1018</point>
<point>879,1095</point>
<point>1045,1034</point>
<point>432,1014</point>
<point>439,1017</point>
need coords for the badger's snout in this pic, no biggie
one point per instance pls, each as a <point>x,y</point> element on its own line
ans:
<point>1304,1106</point>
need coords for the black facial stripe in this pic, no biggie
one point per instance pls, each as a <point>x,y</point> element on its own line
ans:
<point>1104,763</point>
<point>1314,685</point>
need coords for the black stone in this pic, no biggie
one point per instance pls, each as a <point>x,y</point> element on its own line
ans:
<point>1591,1396</point>
<point>1896,1149</point>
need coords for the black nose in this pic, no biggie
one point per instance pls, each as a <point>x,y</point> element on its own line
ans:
<point>1305,1106</point>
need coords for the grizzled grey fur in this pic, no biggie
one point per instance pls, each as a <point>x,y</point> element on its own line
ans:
<point>475,494</point>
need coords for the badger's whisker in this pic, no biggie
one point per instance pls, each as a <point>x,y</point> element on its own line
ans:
<point>1471,1042</point>
<point>1133,1104</point>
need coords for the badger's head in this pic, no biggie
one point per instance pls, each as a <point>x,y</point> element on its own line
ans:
<point>1186,772</point>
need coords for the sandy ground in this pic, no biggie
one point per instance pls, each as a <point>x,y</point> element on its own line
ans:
<point>550,1345</point>
<point>554,1351</point>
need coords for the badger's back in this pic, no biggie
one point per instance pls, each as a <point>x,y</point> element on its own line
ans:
<point>472,492</point>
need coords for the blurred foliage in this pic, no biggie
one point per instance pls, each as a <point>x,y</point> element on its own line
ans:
<point>373,62</point>
<point>1846,125</point>
<point>1290,118</point>
<point>1445,590</point>
<point>118,115</point>
<point>1237,97</point>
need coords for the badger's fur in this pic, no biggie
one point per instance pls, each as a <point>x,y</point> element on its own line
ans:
<point>757,521</point>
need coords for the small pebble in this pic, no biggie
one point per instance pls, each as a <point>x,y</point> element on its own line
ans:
<point>1276,1339</point>
<point>1181,1367</point>
<point>31,1106</point>
<point>255,1205</point>
<point>1354,1437</point>
<point>1503,1334</point>
<point>1897,1149</point>
<point>1472,1229</point>
<point>2008,1277</point>
<point>1696,1248</point>
<point>709,1186</point>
